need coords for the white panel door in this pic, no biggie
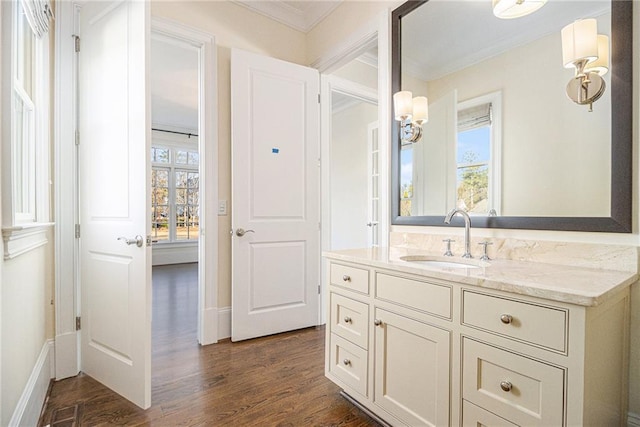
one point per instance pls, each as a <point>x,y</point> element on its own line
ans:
<point>275,184</point>
<point>114,197</point>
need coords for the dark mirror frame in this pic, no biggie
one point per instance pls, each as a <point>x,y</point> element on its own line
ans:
<point>620,220</point>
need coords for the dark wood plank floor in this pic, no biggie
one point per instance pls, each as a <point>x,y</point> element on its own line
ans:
<point>272,381</point>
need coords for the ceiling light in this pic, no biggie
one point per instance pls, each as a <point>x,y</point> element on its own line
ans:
<point>509,9</point>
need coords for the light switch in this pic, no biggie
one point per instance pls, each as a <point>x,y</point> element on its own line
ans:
<point>222,207</point>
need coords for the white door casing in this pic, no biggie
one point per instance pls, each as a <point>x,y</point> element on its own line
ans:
<point>114,168</point>
<point>275,187</point>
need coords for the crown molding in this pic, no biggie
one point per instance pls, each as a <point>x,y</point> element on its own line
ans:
<point>299,15</point>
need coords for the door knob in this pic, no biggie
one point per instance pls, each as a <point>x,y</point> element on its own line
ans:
<point>138,241</point>
<point>241,232</point>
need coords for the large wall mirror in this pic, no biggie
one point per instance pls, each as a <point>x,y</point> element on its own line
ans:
<point>504,141</point>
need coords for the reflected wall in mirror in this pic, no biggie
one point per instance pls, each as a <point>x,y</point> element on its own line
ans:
<point>503,141</point>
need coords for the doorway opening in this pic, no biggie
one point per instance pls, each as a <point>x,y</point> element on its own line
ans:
<point>354,191</point>
<point>175,200</point>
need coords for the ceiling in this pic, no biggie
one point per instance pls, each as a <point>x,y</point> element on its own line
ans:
<point>432,47</point>
<point>174,86</point>
<point>299,15</point>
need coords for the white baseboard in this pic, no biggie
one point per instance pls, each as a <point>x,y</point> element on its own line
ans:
<point>174,254</point>
<point>224,322</point>
<point>66,360</point>
<point>27,411</point>
<point>633,420</point>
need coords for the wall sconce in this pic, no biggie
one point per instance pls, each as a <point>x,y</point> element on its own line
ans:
<point>588,52</point>
<point>412,113</point>
<point>509,9</point>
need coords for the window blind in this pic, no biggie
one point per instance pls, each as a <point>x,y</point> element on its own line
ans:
<point>474,117</point>
<point>38,14</point>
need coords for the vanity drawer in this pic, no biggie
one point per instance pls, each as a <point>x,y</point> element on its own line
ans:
<point>473,416</point>
<point>423,296</point>
<point>522,390</point>
<point>356,279</point>
<point>350,319</point>
<point>535,324</point>
<point>348,363</point>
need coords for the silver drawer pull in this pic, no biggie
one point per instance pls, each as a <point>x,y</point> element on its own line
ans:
<point>346,278</point>
<point>377,322</point>
<point>506,319</point>
<point>347,319</point>
<point>506,385</point>
<point>347,362</point>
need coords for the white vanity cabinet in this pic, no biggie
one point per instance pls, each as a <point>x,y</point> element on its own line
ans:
<point>419,350</point>
<point>396,364</point>
<point>411,369</point>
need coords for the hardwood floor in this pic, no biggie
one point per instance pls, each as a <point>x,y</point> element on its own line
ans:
<point>272,381</point>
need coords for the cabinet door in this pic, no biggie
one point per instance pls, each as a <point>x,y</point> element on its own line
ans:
<point>412,369</point>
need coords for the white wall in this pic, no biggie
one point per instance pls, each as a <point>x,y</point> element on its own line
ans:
<point>349,175</point>
<point>27,291</point>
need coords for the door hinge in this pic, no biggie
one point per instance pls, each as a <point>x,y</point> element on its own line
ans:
<point>319,226</point>
<point>318,289</point>
<point>77,43</point>
<point>77,137</point>
<point>78,323</point>
<point>318,98</point>
<point>77,231</point>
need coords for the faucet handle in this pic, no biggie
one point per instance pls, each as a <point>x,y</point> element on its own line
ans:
<point>485,256</point>
<point>448,251</point>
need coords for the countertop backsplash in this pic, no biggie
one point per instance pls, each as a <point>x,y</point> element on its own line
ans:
<point>600,256</point>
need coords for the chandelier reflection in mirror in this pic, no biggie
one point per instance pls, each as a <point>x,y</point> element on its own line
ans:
<point>412,113</point>
<point>588,52</point>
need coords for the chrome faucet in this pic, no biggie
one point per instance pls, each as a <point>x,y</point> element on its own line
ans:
<point>467,228</point>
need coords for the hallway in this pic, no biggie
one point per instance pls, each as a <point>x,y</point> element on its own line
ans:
<point>272,381</point>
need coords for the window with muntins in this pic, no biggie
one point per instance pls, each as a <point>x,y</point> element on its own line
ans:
<point>175,197</point>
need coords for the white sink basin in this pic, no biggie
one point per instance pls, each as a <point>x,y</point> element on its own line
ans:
<point>443,263</point>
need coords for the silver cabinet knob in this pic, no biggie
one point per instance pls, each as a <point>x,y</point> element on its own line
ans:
<point>506,319</point>
<point>138,241</point>
<point>346,278</point>
<point>241,232</point>
<point>346,362</point>
<point>347,319</point>
<point>377,322</point>
<point>506,385</point>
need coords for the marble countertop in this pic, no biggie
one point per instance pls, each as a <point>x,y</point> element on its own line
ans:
<point>574,285</point>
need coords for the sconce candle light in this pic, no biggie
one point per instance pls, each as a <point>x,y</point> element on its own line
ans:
<point>412,113</point>
<point>588,52</point>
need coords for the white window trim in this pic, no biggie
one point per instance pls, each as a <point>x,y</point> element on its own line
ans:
<point>23,232</point>
<point>495,162</point>
<point>20,239</point>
